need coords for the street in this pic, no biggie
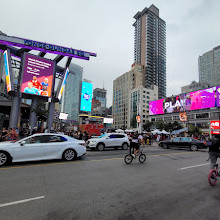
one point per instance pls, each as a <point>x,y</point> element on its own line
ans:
<point>171,184</point>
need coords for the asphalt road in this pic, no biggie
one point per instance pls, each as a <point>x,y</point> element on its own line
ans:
<point>171,184</point>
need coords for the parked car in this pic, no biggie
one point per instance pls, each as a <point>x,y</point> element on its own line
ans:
<point>114,140</point>
<point>184,142</point>
<point>42,146</point>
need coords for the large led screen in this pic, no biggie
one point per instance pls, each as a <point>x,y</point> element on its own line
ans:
<point>37,75</point>
<point>86,97</point>
<point>201,99</point>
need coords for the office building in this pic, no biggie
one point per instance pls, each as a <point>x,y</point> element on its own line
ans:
<point>72,92</point>
<point>100,94</point>
<point>139,99</point>
<point>209,67</point>
<point>150,47</point>
<point>194,86</point>
<point>121,90</point>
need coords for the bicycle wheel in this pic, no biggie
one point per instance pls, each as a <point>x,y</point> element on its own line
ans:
<point>128,159</point>
<point>212,178</point>
<point>142,158</point>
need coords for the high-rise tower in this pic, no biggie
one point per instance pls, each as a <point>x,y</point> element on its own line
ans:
<point>150,47</point>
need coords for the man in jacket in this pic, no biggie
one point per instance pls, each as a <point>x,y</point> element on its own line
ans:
<point>214,150</point>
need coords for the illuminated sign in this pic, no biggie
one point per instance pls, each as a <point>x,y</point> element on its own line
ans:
<point>138,118</point>
<point>183,116</point>
<point>37,75</point>
<point>215,127</point>
<point>86,97</point>
<point>201,99</point>
<point>63,84</point>
<point>108,121</point>
<point>45,47</point>
<point>63,116</point>
<point>8,71</point>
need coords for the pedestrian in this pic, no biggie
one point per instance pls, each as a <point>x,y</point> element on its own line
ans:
<point>12,135</point>
<point>214,151</point>
<point>4,134</point>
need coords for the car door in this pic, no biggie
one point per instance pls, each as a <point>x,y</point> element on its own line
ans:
<point>30,150</point>
<point>175,142</point>
<point>55,146</point>
<point>111,141</point>
<point>119,139</point>
<point>183,142</point>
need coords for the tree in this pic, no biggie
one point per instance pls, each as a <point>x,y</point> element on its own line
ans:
<point>148,125</point>
<point>194,130</point>
<point>134,122</point>
<point>159,125</point>
<point>176,125</point>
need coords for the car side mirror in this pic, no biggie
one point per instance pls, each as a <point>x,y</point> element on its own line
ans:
<point>22,143</point>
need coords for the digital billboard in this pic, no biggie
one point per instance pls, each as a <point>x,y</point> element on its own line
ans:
<point>86,97</point>
<point>37,75</point>
<point>108,121</point>
<point>8,71</point>
<point>201,99</point>
<point>215,127</point>
<point>63,84</point>
<point>183,116</point>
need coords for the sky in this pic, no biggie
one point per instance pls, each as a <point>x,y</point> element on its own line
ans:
<point>105,27</point>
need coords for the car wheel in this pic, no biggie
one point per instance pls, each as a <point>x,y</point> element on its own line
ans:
<point>194,148</point>
<point>4,158</point>
<point>69,155</point>
<point>101,147</point>
<point>165,146</point>
<point>124,146</point>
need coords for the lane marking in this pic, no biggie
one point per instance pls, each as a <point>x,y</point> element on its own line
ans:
<point>63,163</point>
<point>199,165</point>
<point>21,201</point>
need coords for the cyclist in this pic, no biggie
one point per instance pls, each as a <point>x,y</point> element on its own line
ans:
<point>214,151</point>
<point>135,143</point>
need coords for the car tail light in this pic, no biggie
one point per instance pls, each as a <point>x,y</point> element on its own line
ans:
<point>204,143</point>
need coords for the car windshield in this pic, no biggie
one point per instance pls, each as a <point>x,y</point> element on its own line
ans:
<point>102,136</point>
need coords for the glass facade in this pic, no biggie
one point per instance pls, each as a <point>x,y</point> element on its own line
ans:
<point>209,67</point>
<point>150,47</point>
<point>72,92</point>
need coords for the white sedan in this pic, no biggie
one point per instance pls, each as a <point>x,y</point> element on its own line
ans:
<point>43,146</point>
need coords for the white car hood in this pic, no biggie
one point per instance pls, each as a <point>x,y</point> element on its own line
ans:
<point>6,144</point>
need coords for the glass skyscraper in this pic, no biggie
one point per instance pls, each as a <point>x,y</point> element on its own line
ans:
<point>209,67</point>
<point>72,92</point>
<point>150,47</point>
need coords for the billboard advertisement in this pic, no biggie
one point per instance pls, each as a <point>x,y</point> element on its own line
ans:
<point>37,75</point>
<point>201,99</point>
<point>108,121</point>
<point>215,127</point>
<point>8,71</point>
<point>63,84</point>
<point>183,116</point>
<point>86,97</point>
<point>63,116</point>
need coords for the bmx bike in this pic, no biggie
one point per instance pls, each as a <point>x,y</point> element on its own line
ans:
<point>214,175</point>
<point>141,156</point>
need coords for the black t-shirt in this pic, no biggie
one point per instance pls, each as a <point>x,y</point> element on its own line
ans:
<point>214,147</point>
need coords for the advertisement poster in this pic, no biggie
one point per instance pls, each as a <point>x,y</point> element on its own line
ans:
<point>215,127</point>
<point>183,116</point>
<point>201,99</point>
<point>86,97</point>
<point>8,70</point>
<point>63,84</point>
<point>37,76</point>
